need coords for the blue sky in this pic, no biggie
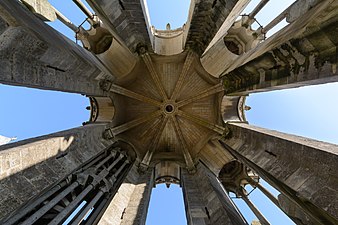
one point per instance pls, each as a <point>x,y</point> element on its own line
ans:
<point>309,111</point>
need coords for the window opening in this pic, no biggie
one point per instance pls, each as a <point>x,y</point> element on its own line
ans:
<point>162,12</point>
<point>166,203</point>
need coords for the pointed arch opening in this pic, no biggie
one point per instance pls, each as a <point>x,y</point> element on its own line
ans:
<point>166,206</point>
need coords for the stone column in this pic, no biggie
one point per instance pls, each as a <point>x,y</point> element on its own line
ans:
<point>33,54</point>
<point>302,169</point>
<point>294,211</point>
<point>130,204</point>
<point>206,201</point>
<point>296,56</point>
<point>128,19</point>
<point>206,19</point>
<point>28,167</point>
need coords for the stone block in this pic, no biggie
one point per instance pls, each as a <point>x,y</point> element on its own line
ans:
<point>41,8</point>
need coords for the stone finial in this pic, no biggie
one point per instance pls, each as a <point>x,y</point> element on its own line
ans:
<point>247,108</point>
<point>168,26</point>
<point>167,184</point>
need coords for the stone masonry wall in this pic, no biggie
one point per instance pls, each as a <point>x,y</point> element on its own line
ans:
<point>32,54</point>
<point>28,167</point>
<point>301,168</point>
<point>206,201</point>
<point>127,17</point>
<point>130,204</point>
<point>208,17</point>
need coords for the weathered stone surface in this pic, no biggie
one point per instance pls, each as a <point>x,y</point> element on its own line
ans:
<point>303,53</point>
<point>28,167</point>
<point>32,54</point>
<point>101,42</point>
<point>294,211</point>
<point>206,201</point>
<point>235,31</point>
<point>175,133</point>
<point>128,18</point>
<point>296,166</point>
<point>169,42</point>
<point>169,109</point>
<point>41,8</point>
<point>3,25</point>
<point>130,204</point>
<point>232,17</point>
<point>207,17</point>
<point>214,156</point>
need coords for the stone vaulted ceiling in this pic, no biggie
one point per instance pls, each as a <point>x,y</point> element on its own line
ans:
<point>168,108</point>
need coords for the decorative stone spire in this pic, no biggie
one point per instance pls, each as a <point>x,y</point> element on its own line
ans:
<point>168,26</point>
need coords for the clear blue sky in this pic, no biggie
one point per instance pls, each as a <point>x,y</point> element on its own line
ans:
<point>309,111</point>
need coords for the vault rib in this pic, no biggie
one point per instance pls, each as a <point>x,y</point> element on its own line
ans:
<point>210,91</point>
<point>125,92</point>
<point>187,64</point>
<point>152,148</point>
<point>202,122</point>
<point>154,75</point>
<point>187,157</point>
<point>131,124</point>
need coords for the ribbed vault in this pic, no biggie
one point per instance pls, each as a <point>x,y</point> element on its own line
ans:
<point>166,107</point>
